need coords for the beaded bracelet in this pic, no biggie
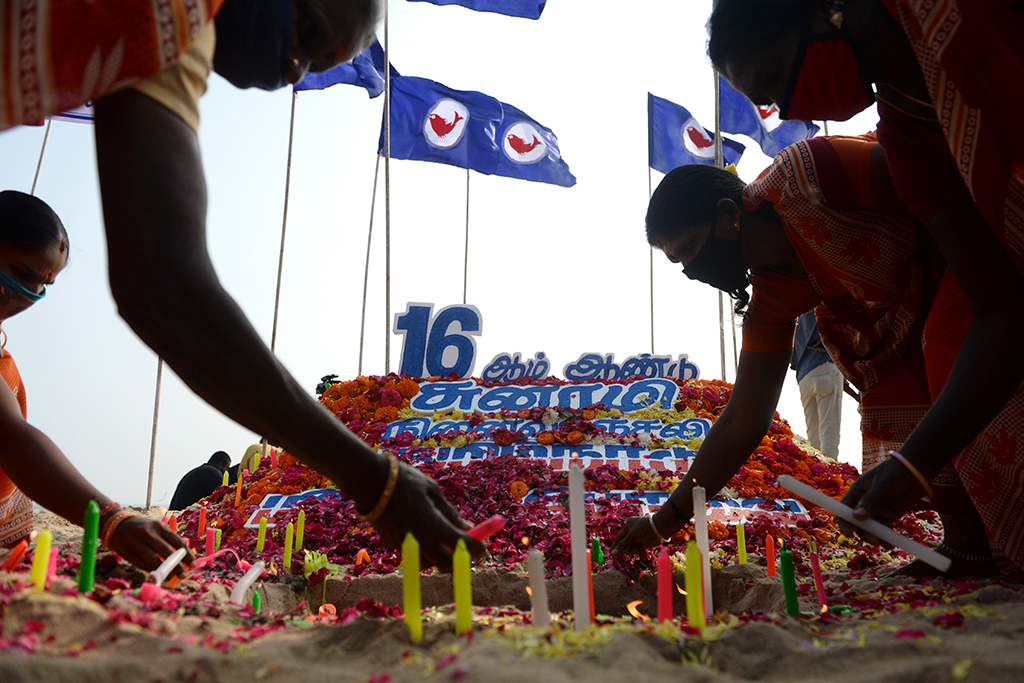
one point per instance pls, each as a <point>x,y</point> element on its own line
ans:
<point>110,508</point>
<point>385,496</point>
<point>650,518</point>
<point>929,493</point>
<point>110,526</point>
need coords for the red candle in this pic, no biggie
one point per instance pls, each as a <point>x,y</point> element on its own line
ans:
<point>664,586</point>
<point>769,544</point>
<point>273,458</point>
<point>173,523</point>
<point>819,586</point>
<point>210,536</point>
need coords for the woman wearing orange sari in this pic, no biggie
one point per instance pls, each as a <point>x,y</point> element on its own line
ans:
<point>822,229</point>
<point>949,80</point>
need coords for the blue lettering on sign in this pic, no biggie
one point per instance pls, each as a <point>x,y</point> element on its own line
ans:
<point>595,366</point>
<point>466,395</point>
<point>438,345</point>
<point>509,368</point>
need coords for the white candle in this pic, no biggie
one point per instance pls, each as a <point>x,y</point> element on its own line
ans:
<point>538,589</point>
<point>578,531</point>
<point>879,530</point>
<point>255,572</point>
<point>700,529</point>
<point>161,573</point>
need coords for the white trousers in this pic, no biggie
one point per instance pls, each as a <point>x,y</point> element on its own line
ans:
<point>821,392</point>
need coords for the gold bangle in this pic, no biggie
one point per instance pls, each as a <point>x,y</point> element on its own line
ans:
<point>389,490</point>
<point>110,526</point>
<point>929,493</point>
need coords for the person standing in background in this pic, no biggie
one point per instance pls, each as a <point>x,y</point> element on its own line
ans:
<point>821,387</point>
<point>201,481</point>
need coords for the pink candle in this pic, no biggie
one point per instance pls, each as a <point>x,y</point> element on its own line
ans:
<point>273,458</point>
<point>51,567</point>
<point>664,586</point>
<point>590,583</point>
<point>769,544</point>
<point>211,534</point>
<point>819,586</point>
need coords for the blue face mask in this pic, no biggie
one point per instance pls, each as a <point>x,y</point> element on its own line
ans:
<point>254,39</point>
<point>17,288</point>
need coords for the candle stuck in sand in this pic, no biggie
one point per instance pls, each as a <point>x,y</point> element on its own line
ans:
<point>694,585</point>
<point>463,588</point>
<point>819,585</point>
<point>538,589</point>
<point>665,588</point>
<point>87,569</point>
<point>300,529</point>
<point>769,549</point>
<point>700,530</point>
<point>41,558</point>
<point>741,543</point>
<point>202,523</point>
<point>411,599</point>
<point>289,535</point>
<point>578,535</point>
<point>210,544</point>
<point>261,537</point>
<point>789,581</point>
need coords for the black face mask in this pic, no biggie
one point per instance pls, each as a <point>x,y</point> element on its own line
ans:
<point>254,39</point>
<point>719,263</point>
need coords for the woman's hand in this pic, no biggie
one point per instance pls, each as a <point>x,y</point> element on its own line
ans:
<point>418,505</point>
<point>147,542</point>
<point>885,493</point>
<point>634,536</point>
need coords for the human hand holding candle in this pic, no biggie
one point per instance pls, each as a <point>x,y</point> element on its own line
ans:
<point>872,526</point>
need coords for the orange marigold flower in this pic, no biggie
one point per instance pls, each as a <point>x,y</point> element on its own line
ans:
<point>519,489</point>
<point>408,388</point>
<point>589,414</point>
<point>574,437</point>
<point>341,404</point>
<point>718,531</point>
<point>385,414</point>
<point>545,438</point>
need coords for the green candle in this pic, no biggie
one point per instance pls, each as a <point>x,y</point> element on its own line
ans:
<point>741,543</point>
<point>596,551</point>
<point>412,601</point>
<point>256,602</point>
<point>463,589</point>
<point>87,569</point>
<point>789,582</point>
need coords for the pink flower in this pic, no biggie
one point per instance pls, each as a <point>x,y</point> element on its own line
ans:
<point>390,397</point>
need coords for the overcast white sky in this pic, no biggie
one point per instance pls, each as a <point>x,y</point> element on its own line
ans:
<point>563,271</point>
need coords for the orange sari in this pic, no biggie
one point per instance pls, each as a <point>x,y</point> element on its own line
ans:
<point>58,54</point>
<point>15,506</point>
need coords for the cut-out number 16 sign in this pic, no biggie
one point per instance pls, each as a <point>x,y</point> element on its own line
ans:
<point>438,345</point>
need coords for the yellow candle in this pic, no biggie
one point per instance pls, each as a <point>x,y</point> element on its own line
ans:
<point>262,537</point>
<point>694,586</point>
<point>289,532</point>
<point>741,543</point>
<point>41,559</point>
<point>411,586</point>
<point>216,539</point>
<point>463,589</point>
<point>300,529</point>
<point>226,478</point>
<point>255,462</point>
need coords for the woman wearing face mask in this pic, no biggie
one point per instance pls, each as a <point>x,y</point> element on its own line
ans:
<point>822,229</point>
<point>33,251</point>
<point>949,81</point>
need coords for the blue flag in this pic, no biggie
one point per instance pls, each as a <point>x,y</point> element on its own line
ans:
<point>528,9</point>
<point>675,138</point>
<point>530,151</point>
<point>366,71</point>
<point>740,116</point>
<point>431,122</point>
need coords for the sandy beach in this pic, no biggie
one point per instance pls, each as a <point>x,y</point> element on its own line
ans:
<point>904,630</point>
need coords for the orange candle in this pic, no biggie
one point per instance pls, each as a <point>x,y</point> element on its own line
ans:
<point>769,544</point>
<point>202,523</point>
<point>173,523</point>
<point>238,490</point>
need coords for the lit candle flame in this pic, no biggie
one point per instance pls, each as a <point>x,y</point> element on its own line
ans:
<point>824,608</point>
<point>529,591</point>
<point>525,540</point>
<point>637,614</point>
<point>681,591</point>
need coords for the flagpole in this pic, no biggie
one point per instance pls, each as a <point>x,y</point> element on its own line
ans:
<point>366,270</point>
<point>284,224</point>
<point>719,163</point>
<point>824,125</point>
<point>156,420</point>
<point>387,196</point>
<point>650,193</point>
<point>42,153</point>
<point>465,263</point>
